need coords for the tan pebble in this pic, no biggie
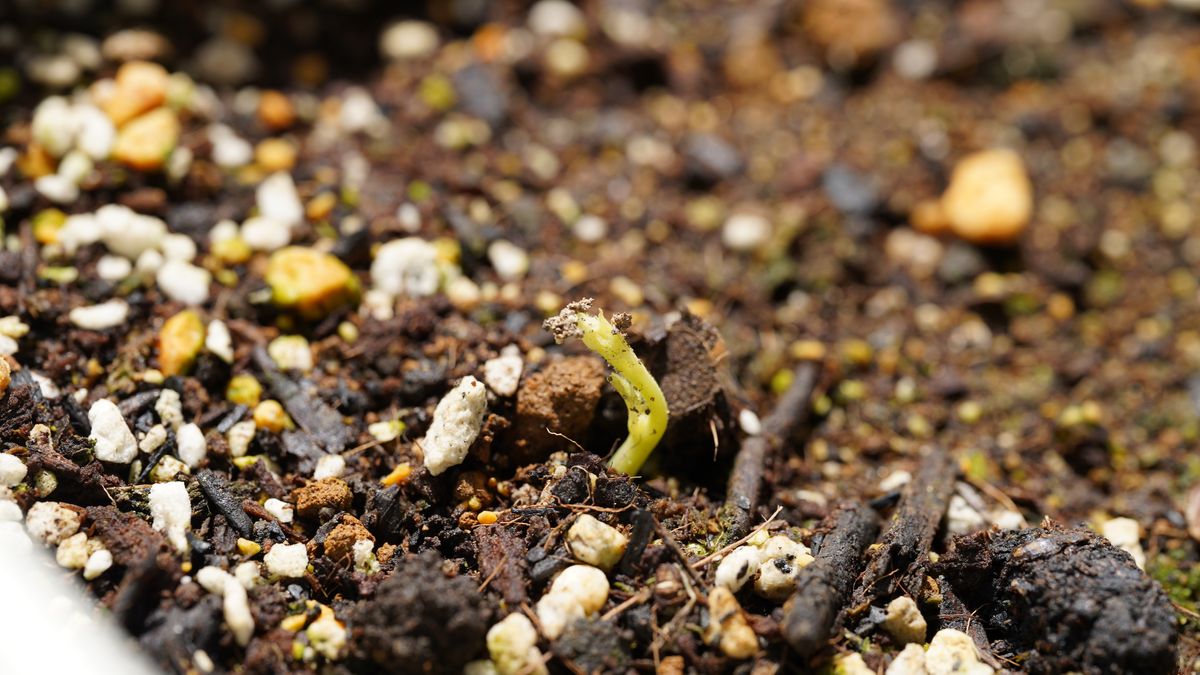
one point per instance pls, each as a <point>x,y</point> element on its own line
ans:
<point>275,110</point>
<point>990,198</point>
<point>140,86</point>
<point>145,142</point>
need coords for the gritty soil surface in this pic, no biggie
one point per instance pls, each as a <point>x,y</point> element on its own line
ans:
<point>918,281</point>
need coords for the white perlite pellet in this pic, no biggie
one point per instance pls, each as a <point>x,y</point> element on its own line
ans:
<point>578,591</point>
<point>184,282</point>
<point>595,543</point>
<point>102,316</point>
<point>113,267</point>
<point>239,437</point>
<point>97,563</point>
<point>169,408</point>
<point>510,261</point>
<point>457,421</point>
<point>235,604</point>
<point>512,644</point>
<point>171,512</point>
<point>218,341</point>
<point>406,266</point>
<point>278,200</point>
<point>904,621</point>
<point>738,567</point>
<point>283,511</point>
<point>408,40</point>
<point>190,445</point>
<point>329,466</point>
<point>12,470</point>
<point>114,442</point>
<point>52,522</point>
<point>265,234</point>
<point>503,373</point>
<point>291,352</point>
<point>287,560</point>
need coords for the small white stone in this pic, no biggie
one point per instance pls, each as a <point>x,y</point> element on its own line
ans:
<point>457,421</point>
<point>386,431</point>
<point>590,229</point>
<point>951,652</point>
<point>12,470</point>
<point>102,316</point>
<point>291,352</point>
<point>727,625</point>
<point>190,445</point>
<point>97,563</point>
<point>287,560</point>
<point>224,230</point>
<point>9,511</point>
<point>56,71</point>
<point>240,436</point>
<point>52,522</point>
<point>171,512</point>
<point>278,200</point>
<point>904,621</point>
<point>895,480</point>
<point>327,636</point>
<point>113,267</point>
<point>14,540</point>
<point>283,511</point>
<point>962,518</point>
<point>406,266</point>
<point>503,373</point>
<point>915,59</point>
<point>96,133</point>
<point>149,262</point>
<point>1008,520</point>
<point>911,661</point>
<point>73,552</point>
<point>236,607</point>
<point>738,567</point>
<point>127,233</point>
<point>184,282</point>
<point>512,644</point>
<point>8,157</point>
<point>229,151</point>
<point>1124,533</point>
<point>168,469</point>
<point>114,442</point>
<point>248,574</point>
<point>405,40</point>
<point>329,466</point>
<point>218,341</point>
<point>54,125</point>
<point>749,422</point>
<point>57,189</point>
<point>557,18</point>
<point>408,215</point>
<point>266,234</point>
<point>169,408</point>
<point>75,166</point>
<point>359,112</point>
<point>510,261</point>
<point>595,543</point>
<point>745,232</point>
<point>578,591</point>
<point>178,247</point>
<point>781,562</point>
<point>463,293</point>
<point>364,556</point>
<point>851,664</point>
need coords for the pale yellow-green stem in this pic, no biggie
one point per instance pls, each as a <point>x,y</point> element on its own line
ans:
<point>643,398</point>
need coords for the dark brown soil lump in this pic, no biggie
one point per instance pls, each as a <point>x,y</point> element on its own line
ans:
<point>1064,600</point>
<point>339,544</point>
<point>561,398</point>
<point>420,621</point>
<point>327,493</point>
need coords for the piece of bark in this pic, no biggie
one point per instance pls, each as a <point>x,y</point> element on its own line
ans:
<point>745,482</point>
<point>311,413</point>
<point>900,561</point>
<point>224,502</point>
<point>502,560</point>
<point>1060,600</point>
<point>824,585</point>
